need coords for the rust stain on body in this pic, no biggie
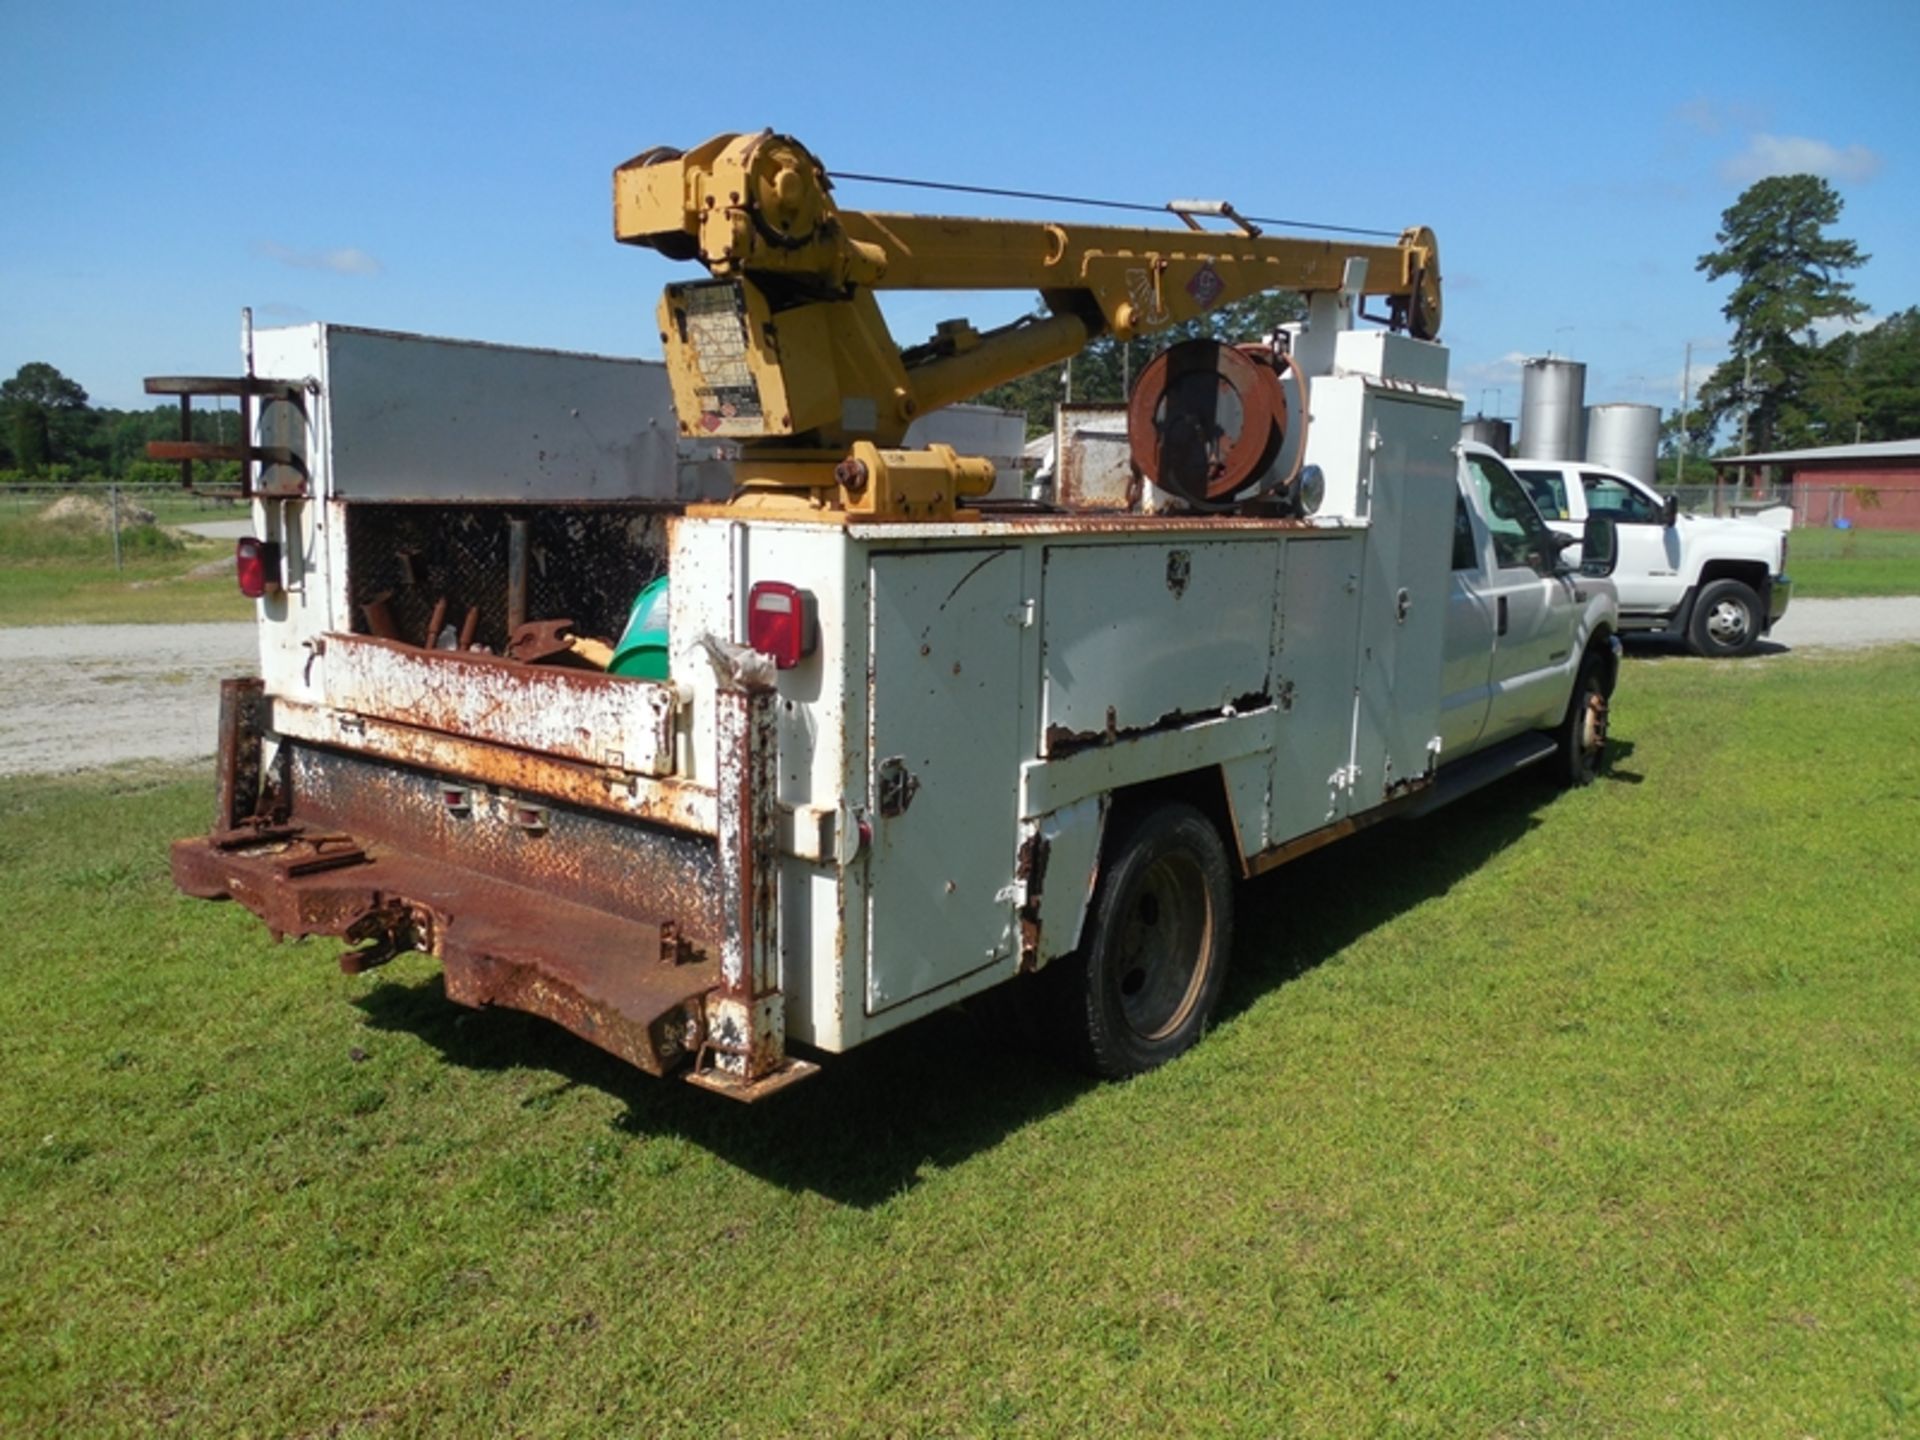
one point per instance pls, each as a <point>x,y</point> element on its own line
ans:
<point>573,714</point>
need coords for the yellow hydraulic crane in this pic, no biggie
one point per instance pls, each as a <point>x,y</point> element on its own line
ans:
<point>785,350</point>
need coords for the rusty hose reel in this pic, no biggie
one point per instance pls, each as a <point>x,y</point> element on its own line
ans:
<point>1206,419</point>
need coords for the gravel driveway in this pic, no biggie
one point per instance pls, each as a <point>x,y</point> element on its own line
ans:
<point>73,696</point>
<point>1848,624</point>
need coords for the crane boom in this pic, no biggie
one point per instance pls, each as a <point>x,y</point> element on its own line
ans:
<point>785,348</point>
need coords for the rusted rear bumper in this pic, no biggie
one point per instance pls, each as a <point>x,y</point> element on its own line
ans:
<point>655,943</point>
<point>632,987</point>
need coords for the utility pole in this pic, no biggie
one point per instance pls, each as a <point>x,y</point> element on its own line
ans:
<point>1686,398</point>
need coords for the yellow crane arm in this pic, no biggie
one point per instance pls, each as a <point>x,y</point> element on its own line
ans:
<point>786,342</point>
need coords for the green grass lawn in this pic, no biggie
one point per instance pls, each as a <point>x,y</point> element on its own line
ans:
<point>1827,563</point>
<point>54,574</point>
<point>1550,1115</point>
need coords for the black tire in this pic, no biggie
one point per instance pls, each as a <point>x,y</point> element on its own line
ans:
<point>1145,982</point>
<point>1726,620</point>
<point>1582,736</point>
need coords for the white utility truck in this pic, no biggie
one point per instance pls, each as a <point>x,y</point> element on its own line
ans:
<point>901,747</point>
<point>1717,583</point>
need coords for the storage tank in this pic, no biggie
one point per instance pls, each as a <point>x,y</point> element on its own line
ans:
<point>1489,431</point>
<point>1552,398</point>
<point>1625,438</point>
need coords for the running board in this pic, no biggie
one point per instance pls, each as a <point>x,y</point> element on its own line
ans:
<point>1467,775</point>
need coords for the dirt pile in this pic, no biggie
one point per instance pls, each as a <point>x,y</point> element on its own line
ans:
<point>94,512</point>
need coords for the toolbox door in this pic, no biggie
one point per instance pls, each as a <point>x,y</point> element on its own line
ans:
<point>943,756</point>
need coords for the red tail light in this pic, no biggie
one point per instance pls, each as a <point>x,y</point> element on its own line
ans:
<point>780,622</point>
<point>256,565</point>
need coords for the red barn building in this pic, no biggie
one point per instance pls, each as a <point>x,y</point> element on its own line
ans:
<point>1875,486</point>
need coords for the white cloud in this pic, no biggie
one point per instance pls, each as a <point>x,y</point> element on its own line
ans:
<point>1798,155</point>
<point>344,261</point>
<point>1708,116</point>
<point>1833,326</point>
<point>1700,114</point>
<point>1504,371</point>
<point>1502,376</point>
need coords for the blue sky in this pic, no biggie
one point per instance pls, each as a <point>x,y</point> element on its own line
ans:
<point>446,168</point>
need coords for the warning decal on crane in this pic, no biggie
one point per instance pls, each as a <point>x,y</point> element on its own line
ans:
<point>1205,287</point>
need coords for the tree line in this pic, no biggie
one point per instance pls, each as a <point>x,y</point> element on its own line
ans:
<point>50,431</point>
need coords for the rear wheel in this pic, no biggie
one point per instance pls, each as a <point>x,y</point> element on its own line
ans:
<point>1726,620</point>
<point>1146,981</point>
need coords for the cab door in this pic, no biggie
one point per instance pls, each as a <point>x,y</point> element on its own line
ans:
<point>1647,577</point>
<point>1532,605</point>
<point>1466,678</point>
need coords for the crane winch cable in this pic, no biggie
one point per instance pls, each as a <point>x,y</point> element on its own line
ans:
<point>1085,200</point>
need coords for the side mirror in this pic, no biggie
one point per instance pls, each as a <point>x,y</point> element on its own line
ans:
<point>1672,512</point>
<point>1599,547</point>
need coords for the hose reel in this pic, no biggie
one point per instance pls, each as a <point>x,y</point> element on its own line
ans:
<point>1208,422</point>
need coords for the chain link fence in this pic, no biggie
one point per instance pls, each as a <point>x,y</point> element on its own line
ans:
<point>118,508</point>
<point>1727,500</point>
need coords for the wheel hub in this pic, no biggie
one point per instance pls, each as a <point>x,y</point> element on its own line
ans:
<point>1593,728</point>
<point>1167,933</point>
<point>1727,623</point>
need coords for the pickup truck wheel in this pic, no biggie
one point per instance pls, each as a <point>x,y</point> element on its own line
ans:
<point>1582,752</point>
<point>1151,971</point>
<point>1726,620</point>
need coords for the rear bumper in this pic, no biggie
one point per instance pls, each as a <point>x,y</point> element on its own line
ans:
<point>630,986</point>
<point>655,943</point>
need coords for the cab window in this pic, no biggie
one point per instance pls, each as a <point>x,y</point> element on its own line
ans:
<point>1466,552</point>
<point>1548,491</point>
<point>1521,539</point>
<point>1621,502</point>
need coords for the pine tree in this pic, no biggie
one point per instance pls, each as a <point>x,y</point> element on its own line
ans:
<point>1788,279</point>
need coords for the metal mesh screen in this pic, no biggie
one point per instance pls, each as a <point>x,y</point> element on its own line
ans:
<point>584,563</point>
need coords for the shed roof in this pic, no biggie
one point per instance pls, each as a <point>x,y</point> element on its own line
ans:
<point>1872,450</point>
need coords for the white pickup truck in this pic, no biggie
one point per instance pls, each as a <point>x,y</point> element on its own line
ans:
<point>1719,584</point>
<point>893,764</point>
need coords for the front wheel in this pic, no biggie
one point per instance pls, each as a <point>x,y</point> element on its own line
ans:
<point>1146,982</point>
<point>1726,620</point>
<point>1581,751</point>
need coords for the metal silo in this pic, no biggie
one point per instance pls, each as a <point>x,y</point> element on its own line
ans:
<point>1625,438</point>
<point>1552,396</point>
<point>1489,431</point>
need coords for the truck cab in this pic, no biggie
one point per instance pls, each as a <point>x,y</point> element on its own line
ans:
<point>1521,619</point>
<point>1719,584</point>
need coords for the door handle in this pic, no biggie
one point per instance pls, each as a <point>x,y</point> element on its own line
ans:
<point>1501,610</point>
